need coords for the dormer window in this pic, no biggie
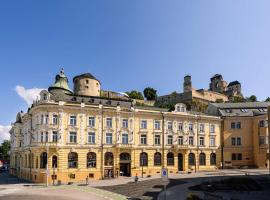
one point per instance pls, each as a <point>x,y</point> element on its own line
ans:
<point>228,110</point>
<point>180,107</point>
<point>45,97</point>
<point>244,110</point>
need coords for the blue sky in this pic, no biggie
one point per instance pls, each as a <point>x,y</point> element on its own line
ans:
<point>132,44</point>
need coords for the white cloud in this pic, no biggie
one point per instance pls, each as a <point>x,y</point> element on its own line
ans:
<point>4,133</point>
<point>29,95</point>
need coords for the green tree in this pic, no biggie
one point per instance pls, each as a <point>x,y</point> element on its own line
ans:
<point>268,99</point>
<point>252,98</point>
<point>219,101</point>
<point>150,93</point>
<point>135,95</point>
<point>4,149</point>
<point>237,99</point>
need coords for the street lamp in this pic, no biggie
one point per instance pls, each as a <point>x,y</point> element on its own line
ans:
<point>142,161</point>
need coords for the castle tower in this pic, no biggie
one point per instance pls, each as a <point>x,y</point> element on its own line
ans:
<point>217,84</point>
<point>187,84</point>
<point>86,85</point>
<point>61,84</point>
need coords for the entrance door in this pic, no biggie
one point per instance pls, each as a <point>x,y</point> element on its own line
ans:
<point>180,162</point>
<point>124,169</point>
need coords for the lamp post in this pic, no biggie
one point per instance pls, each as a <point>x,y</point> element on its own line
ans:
<point>142,163</point>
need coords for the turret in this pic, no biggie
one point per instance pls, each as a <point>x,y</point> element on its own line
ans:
<point>187,83</point>
<point>86,85</point>
<point>61,84</point>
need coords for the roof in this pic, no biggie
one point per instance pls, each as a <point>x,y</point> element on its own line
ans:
<point>234,83</point>
<point>216,76</point>
<point>86,75</point>
<point>242,105</point>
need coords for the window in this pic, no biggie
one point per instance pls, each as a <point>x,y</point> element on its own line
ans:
<point>236,156</point>
<point>109,122</point>
<point>157,125</point>
<point>43,160</point>
<point>201,129</point>
<point>46,137</point>
<point>228,110</point>
<point>143,124</point>
<point>190,140</point>
<point>143,159</point>
<point>238,141</point>
<point>180,140</point>
<point>233,156</point>
<point>169,125</point>
<point>73,137</point>
<point>244,110</point>
<point>91,138</point>
<point>180,126</point>
<point>41,137</point>
<point>124,138</point>
<point>157,159</point>
<point>54,136</point>
<point>46,119</point>
<point>91,160</point>
<point>86,81</point>
<point>191,159</point>
<point>190,127</point>
<point>108,159</point>
<point>125,123</point>
<point>170,140</point>
<point>73,120</point>
<point>212,128</point>
<point>236,125</point>
<point>55,119</point>
<point>72,160</point>
<point>170,159</point>
<point>108,138</point>
<point>212,141</point>
<point>263,123</point>
<point>262,140</point>
<point>143,139</point>
<point>201,139</point>
<point>233,141</point>
<point>54,161</point>
<point>213,159</point>
<point>157,139</point>
<point>125,157</point>
<point>202,159</point>
<point>91,121</point>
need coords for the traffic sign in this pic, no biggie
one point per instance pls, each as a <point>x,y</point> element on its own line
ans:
<point>164,174</point>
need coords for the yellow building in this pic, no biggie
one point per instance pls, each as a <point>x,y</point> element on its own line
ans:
<point>244,140</point>
<point>69,136</point>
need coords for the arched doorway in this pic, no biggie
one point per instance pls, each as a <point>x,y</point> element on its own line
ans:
<point>180,162</point>
<point>108,165</point>
<point>125,164</point>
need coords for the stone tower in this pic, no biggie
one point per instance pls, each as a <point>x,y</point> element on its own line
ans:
<point>86,85</point>
<point>187,83</point>
<point>217,84</point>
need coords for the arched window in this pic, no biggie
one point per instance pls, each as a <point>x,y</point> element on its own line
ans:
<point>191,159</point>
<point>213,159</point>
<point>108,159</point>
<point>72,160</point>
<point>202,159</point>
<point>143,159</point>
<point>125,157</point>
<point>170,159</point>
<point>43,160</point>
<point>157,159</point>
<point>54,161</point>
<point>91,160</point>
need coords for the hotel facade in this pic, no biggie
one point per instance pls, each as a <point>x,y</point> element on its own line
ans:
<point>67,136</point>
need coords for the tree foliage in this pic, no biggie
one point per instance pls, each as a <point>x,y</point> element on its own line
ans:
<point>4,149</point>
<point>135,95</point>
<point>268,99</point>
<point>150,93</point>
<point>252,98</point>
<point>237,99</point>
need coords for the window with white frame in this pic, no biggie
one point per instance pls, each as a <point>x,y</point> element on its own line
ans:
<point>236,141</point>
<point>169,125</point>
<point>46,137</point>
<point>143,124</point>
<point>262,140</point>
<point>190,127</point>
<point>109,122</point>
<point>55,119</point>
<point>201,140</point>
<point>180,140</point>
<point>124,138</point>
<point>170,140</point>
<point>235,125</point>
<point>54,136</point>
<point>212,141</point>
<point>157,139</point>
<point>212,128</point>
<point>91,121</point>
<point>157,125</point>
<point>41,137</point>
<point>125,123</point>
<point>143,139</point>
<point>180,126</point>
<point>46,119</point>
<point>201,129</point>
<point>108,138</point>
<point>91,138</point>
<point>191,140</point>
<point>73,137</point>
<point>72,120</point>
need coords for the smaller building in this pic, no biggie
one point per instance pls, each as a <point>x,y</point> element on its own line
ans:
<point>244,140</point>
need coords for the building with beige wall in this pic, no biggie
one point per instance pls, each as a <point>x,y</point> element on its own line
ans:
<point>244,140</point>
<point>67,137</point>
